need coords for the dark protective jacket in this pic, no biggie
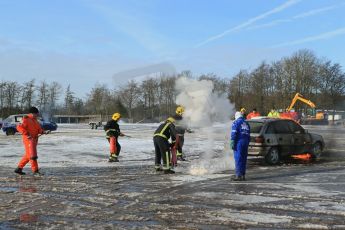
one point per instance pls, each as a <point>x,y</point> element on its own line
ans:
<point>112,129</point>
<point>166,130</point>
<point>180,126</point>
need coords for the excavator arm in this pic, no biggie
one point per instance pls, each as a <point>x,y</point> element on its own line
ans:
<point>320,117</point>
<point>302,99</point>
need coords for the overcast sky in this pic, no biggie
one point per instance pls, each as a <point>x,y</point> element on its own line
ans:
<point>81,42</point>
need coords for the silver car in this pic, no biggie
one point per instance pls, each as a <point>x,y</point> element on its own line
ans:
<point>277,138</point>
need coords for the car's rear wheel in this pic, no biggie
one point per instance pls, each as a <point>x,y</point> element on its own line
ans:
<point>273,156</point>
<point>317,150</point>
<point>10,132</point>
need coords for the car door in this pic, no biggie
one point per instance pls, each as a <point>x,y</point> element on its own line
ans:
<point>283,137</point>
<point>301,139</point>
<point>18,119</point>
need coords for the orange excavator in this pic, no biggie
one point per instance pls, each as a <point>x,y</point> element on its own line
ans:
<point>301,98</point>
<point>290,114</point>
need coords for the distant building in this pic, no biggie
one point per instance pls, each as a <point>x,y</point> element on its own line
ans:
<point>75,119</point>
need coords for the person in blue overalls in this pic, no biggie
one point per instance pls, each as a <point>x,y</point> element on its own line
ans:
<point>240,137</point>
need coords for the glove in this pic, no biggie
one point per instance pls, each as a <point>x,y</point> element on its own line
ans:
<point>111,133</point>
<point>232,144</point>
<point>189,131</point>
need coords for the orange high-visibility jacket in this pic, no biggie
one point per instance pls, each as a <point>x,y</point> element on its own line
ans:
<point>252,114</point>
<point>29,127</point>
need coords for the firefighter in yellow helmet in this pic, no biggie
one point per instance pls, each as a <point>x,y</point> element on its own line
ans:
<point>180,110</point>
<point>243,112</point>
<point>113,132</point>
<point>181,129</point>
<point>161,137</point>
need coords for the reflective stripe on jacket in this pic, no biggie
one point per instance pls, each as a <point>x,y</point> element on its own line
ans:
<point>166,130</point>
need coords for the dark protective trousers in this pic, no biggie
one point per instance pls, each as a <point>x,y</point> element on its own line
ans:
<point>240,155</point>
<point>180,145</point>
<point>162,151</point>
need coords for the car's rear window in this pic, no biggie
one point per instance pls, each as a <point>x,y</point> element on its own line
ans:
<point>255,127</point>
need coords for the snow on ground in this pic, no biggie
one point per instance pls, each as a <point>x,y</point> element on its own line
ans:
<point>81,190</point>
<point>77,145</point>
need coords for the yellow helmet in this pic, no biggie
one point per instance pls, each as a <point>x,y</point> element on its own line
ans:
<point>170,119</point>
<point>180,110</point>
<point>116,116</point>
<point>243,110</point>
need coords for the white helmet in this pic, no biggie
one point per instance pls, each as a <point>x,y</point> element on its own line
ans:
<point>238,115</point>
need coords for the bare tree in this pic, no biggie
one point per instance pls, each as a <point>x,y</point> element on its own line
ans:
<point>78,106</point>
<point>27,94</point>
<point>220,86</point>
<point>239,87</point>
<point>54,94</point>
<point>12,90</point>
<point>129,96</point>
<point>261,92</point>
<point>169,94</point>
<point>150,91</point>
<point>43,95</point>
<point>2,97</point>
<point>332,84</point>
<point>302,71</point>
<point>186,73</point>
<point>69,100</point>
<point>99,100</point>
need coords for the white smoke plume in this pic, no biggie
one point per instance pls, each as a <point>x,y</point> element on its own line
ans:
<point>204,109</point>
<point>46,115</point>
<point>202,106</point>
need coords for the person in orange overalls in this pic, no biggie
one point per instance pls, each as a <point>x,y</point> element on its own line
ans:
<point>253,114</point>
<point>30,129</point>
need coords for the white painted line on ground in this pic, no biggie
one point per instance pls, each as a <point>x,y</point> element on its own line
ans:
<point>338,150</point>
<point>288,183</point>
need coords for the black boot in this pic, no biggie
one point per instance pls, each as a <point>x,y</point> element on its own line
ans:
<point>158,168</point>
<point>113,158</point>
<point>181,158</point>
<point>19,171</point>
<point>38,173</point>
<point>169,171</point>
<point>237,178</point>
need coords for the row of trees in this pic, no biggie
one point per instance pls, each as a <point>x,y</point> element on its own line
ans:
<point>274,85</point>
<point>267,86</point>
<point>15,97</point>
